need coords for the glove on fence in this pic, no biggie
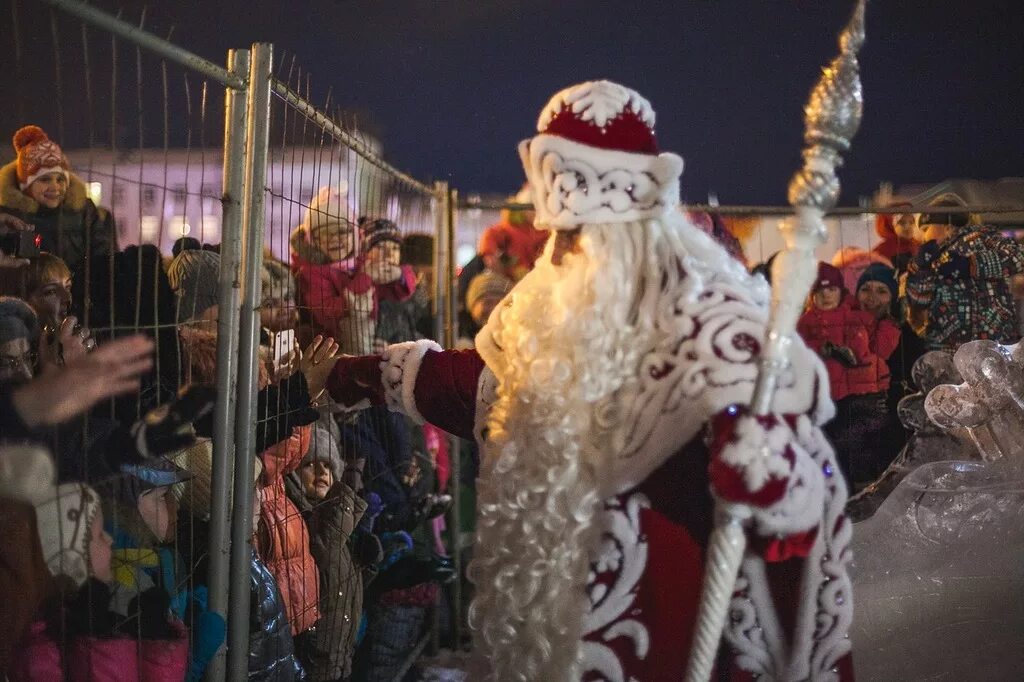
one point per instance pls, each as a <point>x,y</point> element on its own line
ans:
<point>169,428</point>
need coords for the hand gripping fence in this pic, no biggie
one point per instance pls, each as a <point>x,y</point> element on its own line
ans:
<point>832,117</point>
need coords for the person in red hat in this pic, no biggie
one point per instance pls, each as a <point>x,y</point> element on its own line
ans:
<point>592,391</point>
<point>39,187</point>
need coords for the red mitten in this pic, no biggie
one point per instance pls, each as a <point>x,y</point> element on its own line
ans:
<point>751,459</point>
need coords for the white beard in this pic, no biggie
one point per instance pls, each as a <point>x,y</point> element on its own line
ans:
<point>561,345</point>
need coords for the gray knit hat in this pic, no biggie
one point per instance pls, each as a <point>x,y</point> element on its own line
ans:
<point>194,275</point>
<point>17,321</point>
<point>487,284</point>
<point>276,281</point>
<point>323,446</point>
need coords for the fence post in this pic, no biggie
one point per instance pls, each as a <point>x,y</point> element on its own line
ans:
<point>257,142</point>
<point>454,454</point>
<point>442,271</point>
<point>227,345</point>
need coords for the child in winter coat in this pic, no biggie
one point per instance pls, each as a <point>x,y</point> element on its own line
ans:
<point>332,511</point>
<point>271,649</point>
<point>79,639</point>
<point>899,243</point>
<point>339,290</point>
<point>150,585</point>
<point>39,187</point>
<point>854,346</point>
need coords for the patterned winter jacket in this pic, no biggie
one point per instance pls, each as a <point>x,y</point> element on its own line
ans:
<point>965,289</point>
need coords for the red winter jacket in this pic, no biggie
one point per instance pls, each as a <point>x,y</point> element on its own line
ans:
<point>283,540</point>
<point>39,658</point>
<point>328,290</point>
<point>872,342</point>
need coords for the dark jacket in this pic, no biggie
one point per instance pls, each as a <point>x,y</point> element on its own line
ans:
<point>125,295</point>
<point>271,649</point>
<point>330,646</point>
<point>75,231</point>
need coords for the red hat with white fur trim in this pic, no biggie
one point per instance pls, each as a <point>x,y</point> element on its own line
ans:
<point>37,156</point>
<point>596,160</point>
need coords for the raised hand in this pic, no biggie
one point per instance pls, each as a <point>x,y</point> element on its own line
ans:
<point>317,362</point>
<point>60,393</point>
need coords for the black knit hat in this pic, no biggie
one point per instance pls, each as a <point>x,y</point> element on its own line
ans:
<point>377,230</point>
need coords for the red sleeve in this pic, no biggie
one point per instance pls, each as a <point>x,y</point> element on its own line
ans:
<point>326,302</point>
<point>446,389</point>
<point>285,457</point>
<point>356,378</point>
<point>887,337</point>
<point>857,336</point>
<point>399,290</point>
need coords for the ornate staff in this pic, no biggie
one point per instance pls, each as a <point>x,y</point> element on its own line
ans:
<point>832,116</point>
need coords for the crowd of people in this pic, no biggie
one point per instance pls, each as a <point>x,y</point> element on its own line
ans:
<point>108,361</point>
<point>105,475</point>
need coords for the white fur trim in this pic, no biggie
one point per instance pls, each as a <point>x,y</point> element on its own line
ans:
<point>398,370</point>
<point>597,102</point>
<point>575,184</point>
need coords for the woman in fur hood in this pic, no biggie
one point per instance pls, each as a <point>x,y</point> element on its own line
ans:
<point>39,187</point>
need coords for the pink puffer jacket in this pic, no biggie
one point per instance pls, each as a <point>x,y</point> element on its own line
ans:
<point>92,659</point>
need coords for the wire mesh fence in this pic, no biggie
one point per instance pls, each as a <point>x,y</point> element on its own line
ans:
<point>234,227</point>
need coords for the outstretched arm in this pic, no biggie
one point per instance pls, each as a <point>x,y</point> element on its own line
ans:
<point>416,378</point>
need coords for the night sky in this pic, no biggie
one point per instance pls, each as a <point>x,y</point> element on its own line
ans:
<point>452,85</point>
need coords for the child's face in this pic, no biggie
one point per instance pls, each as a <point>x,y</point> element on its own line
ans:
<point>279,314</point>
<point>100,543</point>
<point>827,298</point>
<point>385,253</point>
<point>334,241</point>
<point>159,509</point>
<point>317,479</point>
<point>905,225</point>
<point>49,190</point>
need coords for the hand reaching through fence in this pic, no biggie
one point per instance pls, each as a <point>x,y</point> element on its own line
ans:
<point>59,394</point>
<point>316,364</point>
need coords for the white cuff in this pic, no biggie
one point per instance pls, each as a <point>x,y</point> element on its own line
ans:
<point>398,370</point>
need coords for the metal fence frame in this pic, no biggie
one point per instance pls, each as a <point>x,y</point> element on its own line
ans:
<point>249,83</point>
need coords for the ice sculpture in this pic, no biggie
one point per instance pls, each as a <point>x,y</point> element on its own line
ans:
<point>989,403</point>
<point>939,577</point>
<point>927,443</point>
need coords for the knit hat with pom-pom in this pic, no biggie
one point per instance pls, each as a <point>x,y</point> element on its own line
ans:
<point>37,156</point>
